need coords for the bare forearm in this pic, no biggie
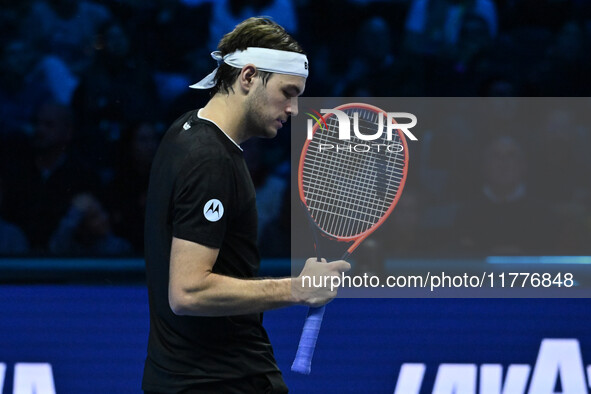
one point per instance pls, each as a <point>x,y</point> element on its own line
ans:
<point>195,290</point>
<point>219,295</point>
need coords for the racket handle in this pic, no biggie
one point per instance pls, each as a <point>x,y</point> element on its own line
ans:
<point>303,359</point>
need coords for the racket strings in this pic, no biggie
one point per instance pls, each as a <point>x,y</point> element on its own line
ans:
<point>343,213</point>
<point>326,193</point>
<point>349,191</point>
<point>356,182</point>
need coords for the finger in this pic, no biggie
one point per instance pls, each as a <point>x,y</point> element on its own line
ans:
<point>340,265</point>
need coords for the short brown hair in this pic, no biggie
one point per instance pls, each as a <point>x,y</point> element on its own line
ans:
<point>252,32</point>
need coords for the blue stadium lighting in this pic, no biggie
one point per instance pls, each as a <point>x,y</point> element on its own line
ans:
<point>538,259</point>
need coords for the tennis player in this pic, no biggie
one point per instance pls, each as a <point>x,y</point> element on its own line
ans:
<point>206,333</point>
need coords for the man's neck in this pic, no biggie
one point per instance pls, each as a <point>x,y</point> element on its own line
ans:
<point>227,111</point>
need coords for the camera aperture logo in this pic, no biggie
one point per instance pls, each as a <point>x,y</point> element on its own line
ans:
<point>360,130</point>
<point>319,121</point>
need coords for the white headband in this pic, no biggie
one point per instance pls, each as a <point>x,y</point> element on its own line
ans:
<point>265,59</point>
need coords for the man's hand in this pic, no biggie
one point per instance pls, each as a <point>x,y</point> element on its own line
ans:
<point>315,273</point>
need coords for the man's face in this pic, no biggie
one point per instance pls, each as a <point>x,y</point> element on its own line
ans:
<point>270,105</point>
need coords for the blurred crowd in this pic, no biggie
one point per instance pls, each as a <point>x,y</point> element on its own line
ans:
<point>87,89</point>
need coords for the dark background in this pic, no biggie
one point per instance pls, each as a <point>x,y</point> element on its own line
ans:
<point>88,87</point>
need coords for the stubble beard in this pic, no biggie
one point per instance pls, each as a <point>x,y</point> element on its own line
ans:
<point>255,121</point>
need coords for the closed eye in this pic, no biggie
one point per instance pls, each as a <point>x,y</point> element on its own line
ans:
<point>291,91</point>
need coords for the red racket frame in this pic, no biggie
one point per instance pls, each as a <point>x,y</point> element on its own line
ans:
<point>360,237</point>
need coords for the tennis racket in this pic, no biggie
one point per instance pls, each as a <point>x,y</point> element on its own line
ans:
<point>347,193</point>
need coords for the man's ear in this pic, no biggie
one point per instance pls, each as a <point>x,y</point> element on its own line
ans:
<point>246,78</point>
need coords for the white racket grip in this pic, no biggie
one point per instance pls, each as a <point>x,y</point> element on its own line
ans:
<point>303,359</point>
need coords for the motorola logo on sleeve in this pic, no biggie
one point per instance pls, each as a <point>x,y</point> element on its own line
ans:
<point>213,210</point>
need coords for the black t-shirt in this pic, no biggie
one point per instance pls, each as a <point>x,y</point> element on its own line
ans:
<point>201,191</point>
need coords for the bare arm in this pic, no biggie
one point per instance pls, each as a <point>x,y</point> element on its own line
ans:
<point>195,290</point>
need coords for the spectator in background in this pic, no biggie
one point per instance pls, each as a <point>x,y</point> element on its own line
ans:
<point>546,14</point>
<point>400,236</point>
<point>41,182</point>
<point>65,28</point>
<point>499,85</point>
<point>374,57</point>
<point>86,230</point>
<point>561,71</point>
<point>561,155</point>
<point>404,231</point>
<point>26,79</point>
<point>159,30</point>
<point>271,205</point>
<point>270,173</point>
<point>226,14</point>
<point>474,39</point>
<point>117,88</point>
<point>12,239</point>
<point>18,96</point>
<point>126,195</point>
<point>503,218</point>
<point>11,16</point>
<point>275,237</point>
<point>172,101</point>
<point>434,26</point>
<point>562,167</point>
